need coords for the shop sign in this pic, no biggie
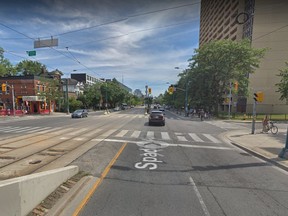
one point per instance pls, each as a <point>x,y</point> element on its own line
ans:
<point>34,98</point>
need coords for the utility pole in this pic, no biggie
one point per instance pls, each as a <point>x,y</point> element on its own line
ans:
<point>67,97</point>
<point>186,99</point>
<point>13,100</point>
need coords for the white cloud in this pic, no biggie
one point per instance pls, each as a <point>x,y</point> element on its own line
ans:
<point>142,49</point>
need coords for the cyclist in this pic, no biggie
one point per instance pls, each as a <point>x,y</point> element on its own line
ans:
<point>265,122</point>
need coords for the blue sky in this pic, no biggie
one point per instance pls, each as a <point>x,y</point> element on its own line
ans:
<point>139,42</point>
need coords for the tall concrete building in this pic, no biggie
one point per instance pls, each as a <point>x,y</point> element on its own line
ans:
<point>265,23</point>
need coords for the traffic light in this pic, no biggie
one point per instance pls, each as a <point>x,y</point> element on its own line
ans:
<point>236,86</point>
<point>171,89</point>
<point>259,96</point>
<point>149,90</point>
<point>4,87</point>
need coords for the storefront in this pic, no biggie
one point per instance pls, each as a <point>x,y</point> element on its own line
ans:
<point>35,104</point>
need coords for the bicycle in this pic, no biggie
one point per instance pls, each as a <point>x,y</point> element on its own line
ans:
<point>272,127</point>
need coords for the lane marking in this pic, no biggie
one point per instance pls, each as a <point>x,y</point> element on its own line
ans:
<point>204,207</point>
<point>166,144</point>
<point>213,139</point>
<point>99,181</point>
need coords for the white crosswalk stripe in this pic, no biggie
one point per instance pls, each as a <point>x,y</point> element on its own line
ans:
<point>91,133</point>
<point>122,133</point>
<point>195,137</point>
<point>182,138</point>
<point>136,134</point>
<point>213,139</point>
<point>78,131</point>
<point>165,136</point>
<point>150,135</point>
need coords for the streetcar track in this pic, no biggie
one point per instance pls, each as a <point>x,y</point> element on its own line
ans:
<point>52,151</point>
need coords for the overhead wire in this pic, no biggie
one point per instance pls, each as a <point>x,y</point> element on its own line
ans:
<point>126,18</point>
<point>103,24</point>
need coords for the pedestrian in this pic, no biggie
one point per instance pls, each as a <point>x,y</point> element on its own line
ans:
<point>202,114</point>
<point>265,122</point>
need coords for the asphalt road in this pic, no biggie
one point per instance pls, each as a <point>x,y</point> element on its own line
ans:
<point>183,168</point>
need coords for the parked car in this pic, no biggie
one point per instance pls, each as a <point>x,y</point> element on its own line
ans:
<point>156,117</point>
<point>81,113</point>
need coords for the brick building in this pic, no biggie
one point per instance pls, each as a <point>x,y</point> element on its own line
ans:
<point>29,94</point>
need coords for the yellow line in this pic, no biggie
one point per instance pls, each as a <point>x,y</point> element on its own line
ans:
<point>99,181</point>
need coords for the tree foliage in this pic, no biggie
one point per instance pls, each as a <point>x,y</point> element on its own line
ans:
<point>6,68</point>
<point>283,84</point>
<point>214,66</point>
<point>28,67</point>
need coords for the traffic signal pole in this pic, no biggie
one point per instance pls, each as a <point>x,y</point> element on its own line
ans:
<point>285,149</point>
<point>4,89</point>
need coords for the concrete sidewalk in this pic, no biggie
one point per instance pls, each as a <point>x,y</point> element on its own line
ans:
<point>266,146</point>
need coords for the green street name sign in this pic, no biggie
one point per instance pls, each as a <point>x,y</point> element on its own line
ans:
<point>31,53</point>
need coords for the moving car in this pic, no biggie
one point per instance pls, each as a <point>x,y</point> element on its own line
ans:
<point>79,113</point>
<point>162,110</point>
<point>156,117</point>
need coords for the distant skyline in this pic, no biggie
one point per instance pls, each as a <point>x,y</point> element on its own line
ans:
<point>137,42</point>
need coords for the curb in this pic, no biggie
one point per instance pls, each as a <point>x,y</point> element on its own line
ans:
<point>68,204</point>
<point>256,154</point>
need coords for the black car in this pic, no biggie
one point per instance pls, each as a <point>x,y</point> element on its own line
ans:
<point>156,117</point>
<point>79,113</point>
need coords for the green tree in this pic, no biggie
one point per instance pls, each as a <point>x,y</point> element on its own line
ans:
<point>214,66</point>
<point>75,104</point>
<point>28,67</point>
<point>91,97</point>
<point>51,91</point>
<point>283,84</point>
<point>6,68</point>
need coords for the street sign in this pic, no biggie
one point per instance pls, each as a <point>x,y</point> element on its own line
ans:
<point>31,53</point>
<point>45,43</point>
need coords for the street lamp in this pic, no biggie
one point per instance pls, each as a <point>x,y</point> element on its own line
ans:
<point>186,91</point>
<point>186,98</point>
